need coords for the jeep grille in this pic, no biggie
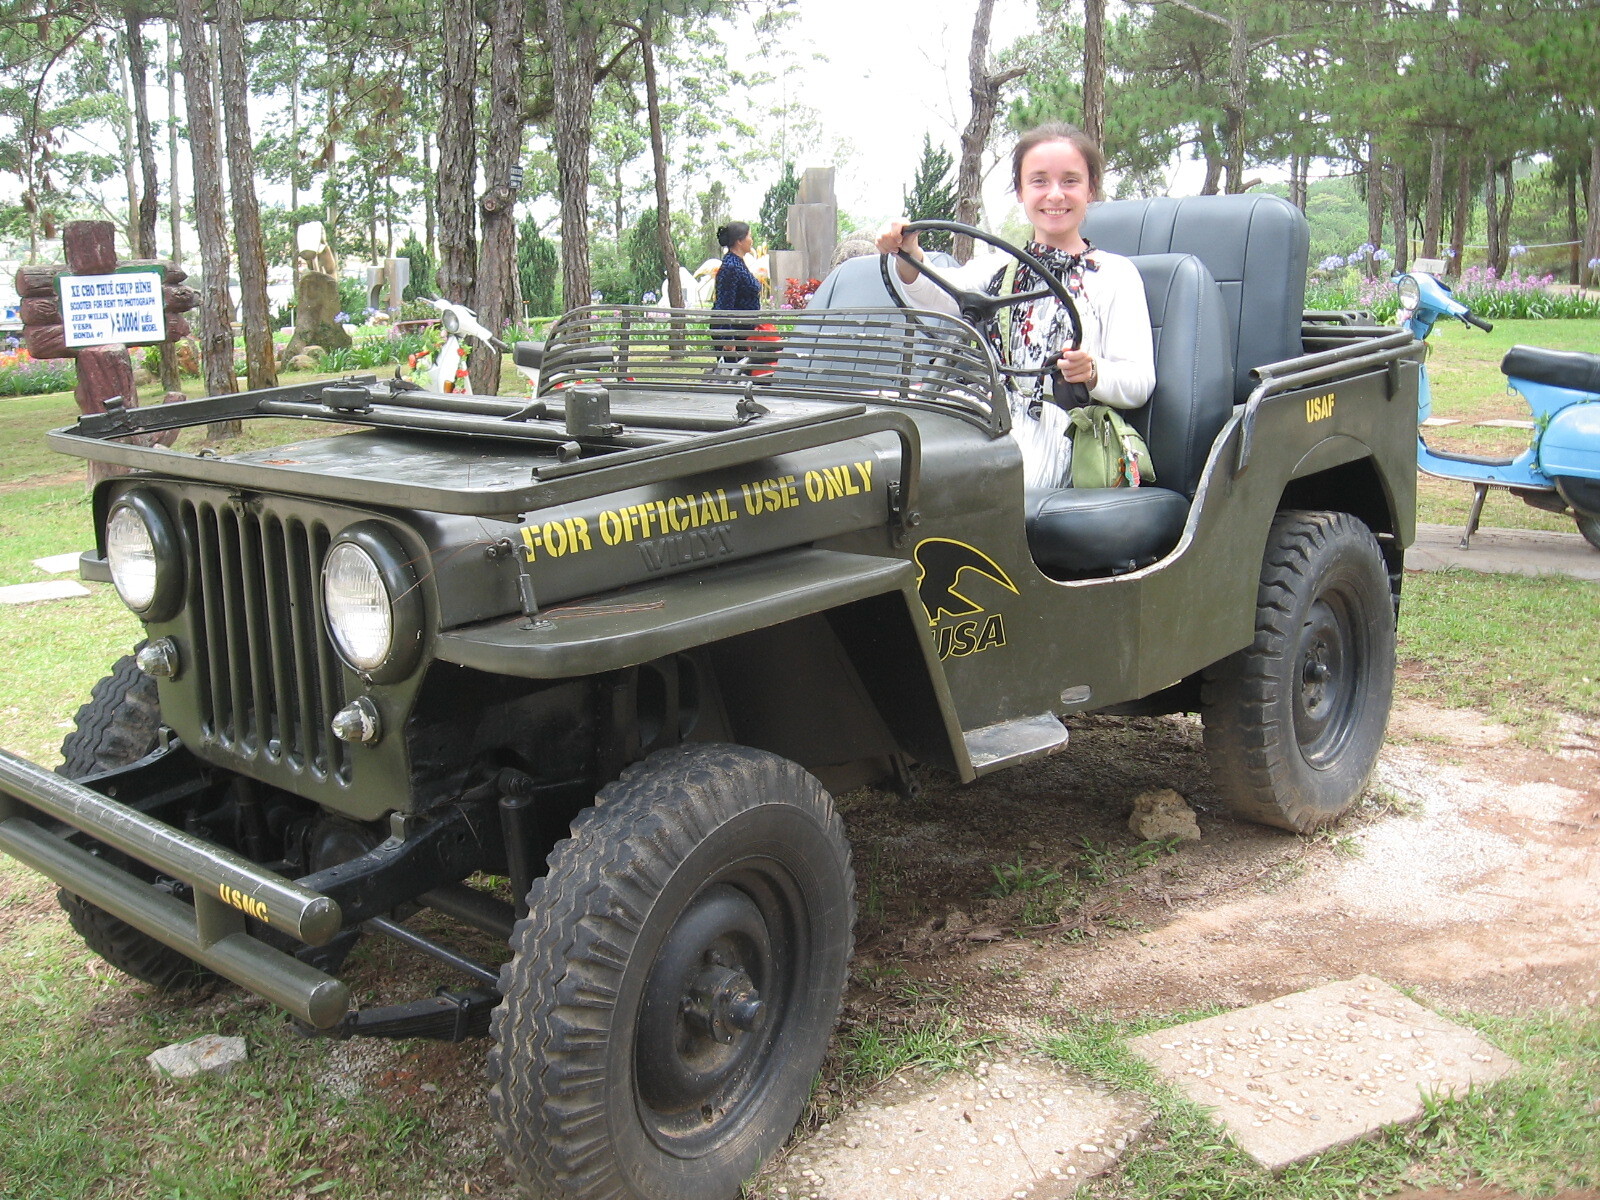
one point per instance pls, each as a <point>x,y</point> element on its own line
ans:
<point>268,678</point>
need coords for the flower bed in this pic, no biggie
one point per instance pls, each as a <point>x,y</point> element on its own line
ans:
<point>23,375</point>
<point>1338,283</point>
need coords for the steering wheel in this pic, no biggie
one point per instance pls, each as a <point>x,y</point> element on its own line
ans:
<point>977,307</point>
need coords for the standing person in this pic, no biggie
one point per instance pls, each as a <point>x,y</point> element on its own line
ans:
<point>1057,171</point>
<point>737,289</point>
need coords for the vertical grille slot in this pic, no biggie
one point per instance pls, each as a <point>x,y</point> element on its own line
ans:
<point>269,681</point>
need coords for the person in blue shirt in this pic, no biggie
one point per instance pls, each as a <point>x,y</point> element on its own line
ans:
<point>737,289</point>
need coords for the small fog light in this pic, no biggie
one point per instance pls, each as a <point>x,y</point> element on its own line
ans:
<point>358,722</point>
<point>159,659</point>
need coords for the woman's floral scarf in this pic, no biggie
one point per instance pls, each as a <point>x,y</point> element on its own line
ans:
<point>1041,328</point>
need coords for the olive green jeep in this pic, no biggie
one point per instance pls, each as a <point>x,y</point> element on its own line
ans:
<point>580,672</point>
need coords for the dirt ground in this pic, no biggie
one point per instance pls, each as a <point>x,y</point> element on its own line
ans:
<point>1472,874</point>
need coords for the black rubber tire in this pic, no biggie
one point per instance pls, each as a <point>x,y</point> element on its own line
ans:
<point>1294,722</point>
<point>1589,526</point>
<point>119,725</point>
<point>699,854</point>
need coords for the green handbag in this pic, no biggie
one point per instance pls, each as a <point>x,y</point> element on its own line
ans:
<point>1106,450</point>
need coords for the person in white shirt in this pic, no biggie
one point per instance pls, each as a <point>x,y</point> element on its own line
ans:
<point>1057,171</point>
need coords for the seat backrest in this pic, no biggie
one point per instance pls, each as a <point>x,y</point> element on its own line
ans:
<point>1255,248</point>
<point>1193,396</point>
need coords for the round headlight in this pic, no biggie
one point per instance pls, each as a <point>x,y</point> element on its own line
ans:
<point>142,553</point>
<point>371,599</point>
<point>358,607</point>
<point>1410,292</point>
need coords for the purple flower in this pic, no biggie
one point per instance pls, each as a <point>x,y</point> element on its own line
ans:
<point>1363,250</point>
<point>1379,254</point>
<point>1518,250</point>
<point>1332,263</point>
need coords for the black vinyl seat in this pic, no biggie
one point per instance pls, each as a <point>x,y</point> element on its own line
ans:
<point>1236,304</point>
<point>1076,533</point>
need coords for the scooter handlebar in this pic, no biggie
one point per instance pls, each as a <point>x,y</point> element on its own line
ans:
<point>1486,326</point>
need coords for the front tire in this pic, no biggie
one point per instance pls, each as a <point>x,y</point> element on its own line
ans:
<point>1589,526</point>
<point>676,982</point>
<point>1294,722</point>
<point>119,725</point>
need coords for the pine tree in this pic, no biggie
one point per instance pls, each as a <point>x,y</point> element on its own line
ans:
<point>775,209</point>
<point>932,196</point>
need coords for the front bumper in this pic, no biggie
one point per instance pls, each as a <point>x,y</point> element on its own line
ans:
<point>227,887</point>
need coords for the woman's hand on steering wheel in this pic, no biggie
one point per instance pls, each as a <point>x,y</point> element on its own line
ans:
<point>976,306</point>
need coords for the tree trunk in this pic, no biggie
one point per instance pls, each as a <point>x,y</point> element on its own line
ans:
<point>261,366</point>
<point>497,270</point>
<point>1507,196</point>
<point>1462,221</point>
<point>174,193</point>
<point>1094,70</point>
<point>1214,159</point>
<point>1491,213</point>
<point>984,89</point>
<point>658,153</point>
<point>216,306</point>
<point>571,41</point>
<point>1573,234</point>
<point>1374,202</point>
<point>139,79</point>
<point>1433,212</point>
<point>1591,237</point>
<point>458,164</point>
<point>1395,177</point>
<point>1237,107</point>
<point>129,151</point>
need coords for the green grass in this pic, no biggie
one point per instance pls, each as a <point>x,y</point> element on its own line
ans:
<point>1535,1132</point>
<point>83,1115</point>
<point>1522,648</point>
<point>872,1053</point>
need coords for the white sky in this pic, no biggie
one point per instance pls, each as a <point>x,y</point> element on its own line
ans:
<point>894,72</point>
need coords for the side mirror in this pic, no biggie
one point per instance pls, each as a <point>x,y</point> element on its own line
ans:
<point>528,354</point>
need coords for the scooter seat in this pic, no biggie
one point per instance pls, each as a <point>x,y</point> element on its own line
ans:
<point>1559,368</point>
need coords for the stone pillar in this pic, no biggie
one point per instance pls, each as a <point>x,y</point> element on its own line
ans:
<point>813,226</point>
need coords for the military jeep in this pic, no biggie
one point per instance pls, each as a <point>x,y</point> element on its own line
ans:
<point>580,671</point>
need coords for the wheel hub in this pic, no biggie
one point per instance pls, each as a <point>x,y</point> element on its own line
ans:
<point>723,1003</point>
<point>1326,700</point>
<point>704,1020</point>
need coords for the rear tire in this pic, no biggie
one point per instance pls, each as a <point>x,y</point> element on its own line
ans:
<point>676,982</point>
<point>119,725</point>
<point>1294,722</point>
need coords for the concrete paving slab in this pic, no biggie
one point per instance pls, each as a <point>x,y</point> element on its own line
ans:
<point>1503,423</point>
<point>1505,551</point>
<point>51,589</point>
<point>1295,1077</point>
<point>1022,1128</point>
<point>59,564</point>
<point>1438,422</point>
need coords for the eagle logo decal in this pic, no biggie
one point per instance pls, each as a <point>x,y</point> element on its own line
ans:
<point>947,570</point>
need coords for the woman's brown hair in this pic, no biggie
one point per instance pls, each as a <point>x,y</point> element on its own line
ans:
<point>1059,132</point>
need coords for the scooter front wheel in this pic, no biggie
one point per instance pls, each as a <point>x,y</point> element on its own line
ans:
<point>1589,526</point>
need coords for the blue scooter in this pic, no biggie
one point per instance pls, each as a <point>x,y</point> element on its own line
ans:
<point>1560,469</point>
